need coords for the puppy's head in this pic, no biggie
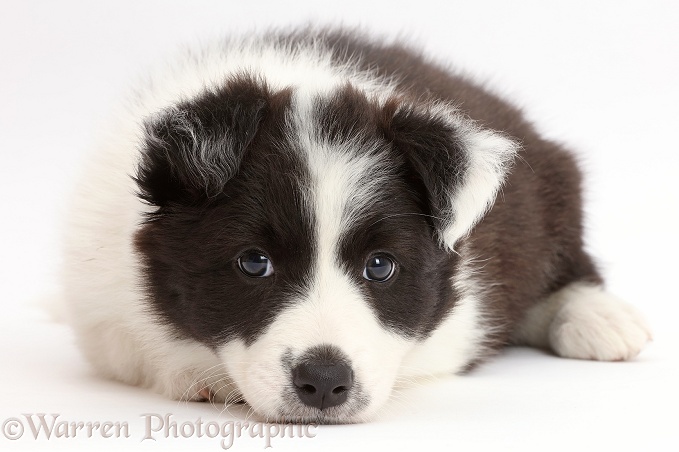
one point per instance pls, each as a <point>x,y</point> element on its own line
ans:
<point>306,238</point>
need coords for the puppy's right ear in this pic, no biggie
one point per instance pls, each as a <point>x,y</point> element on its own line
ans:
<point>461,165</point>
<point>190,151</point>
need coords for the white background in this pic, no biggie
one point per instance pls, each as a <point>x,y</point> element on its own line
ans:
<point>602,76</point>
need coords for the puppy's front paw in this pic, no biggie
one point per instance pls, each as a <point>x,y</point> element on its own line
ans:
<point>593,324</point>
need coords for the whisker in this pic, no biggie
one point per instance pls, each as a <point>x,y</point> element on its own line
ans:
<point>406,214</point>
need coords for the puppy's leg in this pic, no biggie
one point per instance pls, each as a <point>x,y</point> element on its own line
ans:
<point>585,322</point>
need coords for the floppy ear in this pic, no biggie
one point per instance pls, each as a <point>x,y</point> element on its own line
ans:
<point>461,165</point>
<point>190,151</point>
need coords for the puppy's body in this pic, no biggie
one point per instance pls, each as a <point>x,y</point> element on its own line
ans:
<point>319,159</point>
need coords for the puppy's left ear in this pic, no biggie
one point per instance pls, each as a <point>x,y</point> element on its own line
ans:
<point>461,165</point>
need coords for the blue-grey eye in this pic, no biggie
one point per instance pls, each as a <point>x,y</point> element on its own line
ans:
<point>379,268</point>
<point>255,264</point>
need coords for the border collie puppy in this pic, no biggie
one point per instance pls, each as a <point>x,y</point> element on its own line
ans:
<point>299,220</point>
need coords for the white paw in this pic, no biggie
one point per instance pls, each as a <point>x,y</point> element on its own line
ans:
<point>593,324</point>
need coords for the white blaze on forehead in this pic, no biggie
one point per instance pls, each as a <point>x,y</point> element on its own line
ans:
<point>346,177</point>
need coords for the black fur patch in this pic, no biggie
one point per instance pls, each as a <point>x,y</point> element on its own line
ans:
<point>434,153</point>
<point>193,149</point>
<point>403,219</point>
<point>191,245</point>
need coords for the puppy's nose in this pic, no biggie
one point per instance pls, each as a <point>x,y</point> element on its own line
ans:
<point>321,384</point>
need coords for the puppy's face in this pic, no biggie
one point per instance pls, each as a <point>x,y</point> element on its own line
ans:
<point>304,238</point>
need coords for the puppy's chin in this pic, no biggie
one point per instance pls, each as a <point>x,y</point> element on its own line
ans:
<point>296,413</point>
<point>289,410</point>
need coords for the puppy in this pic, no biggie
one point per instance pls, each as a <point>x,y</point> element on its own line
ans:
<point>299,220</point>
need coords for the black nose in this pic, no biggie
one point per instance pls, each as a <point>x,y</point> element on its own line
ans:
<point>322,385</point>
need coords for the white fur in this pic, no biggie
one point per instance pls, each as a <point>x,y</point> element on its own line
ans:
<point>490,155</point>
<point>308,69</point>
<point>583,321</point>
<point>459,338</point>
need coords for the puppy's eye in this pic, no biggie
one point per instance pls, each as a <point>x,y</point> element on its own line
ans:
<point>255,264</point>
<point>379,268</point>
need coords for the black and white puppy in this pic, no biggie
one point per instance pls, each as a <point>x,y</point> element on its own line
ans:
<point>299,220</point>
